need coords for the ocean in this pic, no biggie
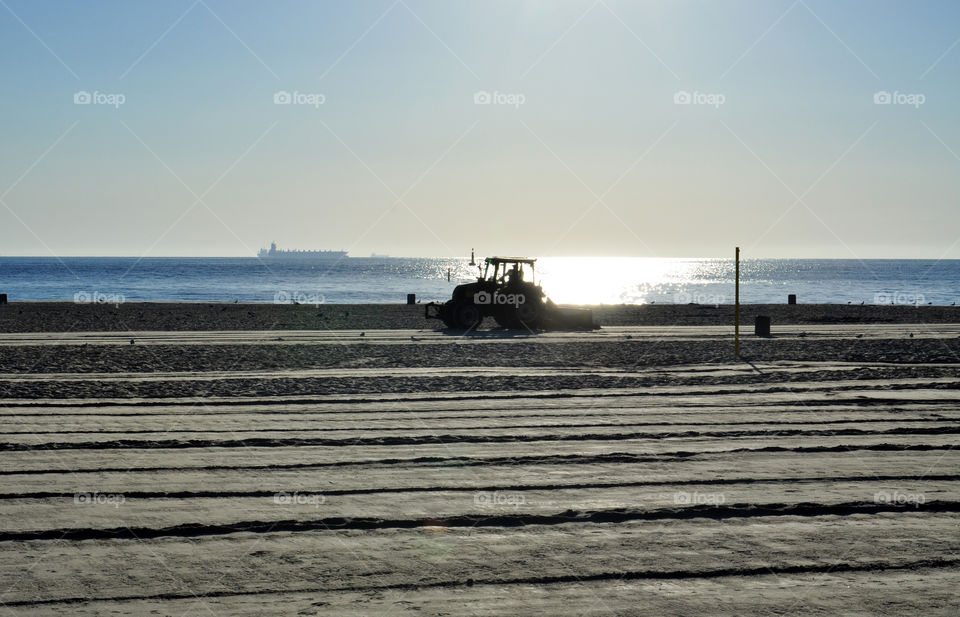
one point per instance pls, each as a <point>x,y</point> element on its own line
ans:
<point>573,280</point>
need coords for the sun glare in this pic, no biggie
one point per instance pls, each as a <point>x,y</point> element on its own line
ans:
<point>611,280</point>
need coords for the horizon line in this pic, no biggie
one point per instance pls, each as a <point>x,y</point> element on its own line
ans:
<point>386,256</point>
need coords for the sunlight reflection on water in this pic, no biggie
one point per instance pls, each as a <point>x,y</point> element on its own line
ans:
<point>642,280</point>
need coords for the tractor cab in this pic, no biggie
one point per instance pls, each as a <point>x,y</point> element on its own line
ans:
<point>508,270</point>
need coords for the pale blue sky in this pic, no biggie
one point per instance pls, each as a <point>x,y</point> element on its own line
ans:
<point>597,81</point>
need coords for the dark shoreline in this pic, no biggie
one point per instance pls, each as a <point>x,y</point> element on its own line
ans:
<point>183,316</point>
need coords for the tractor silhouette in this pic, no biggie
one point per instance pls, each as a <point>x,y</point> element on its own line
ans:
<point>503,292</point>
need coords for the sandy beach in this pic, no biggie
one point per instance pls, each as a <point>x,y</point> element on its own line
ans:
<point>73,317</point>
<point>481,309</point>
<point>262,464</point>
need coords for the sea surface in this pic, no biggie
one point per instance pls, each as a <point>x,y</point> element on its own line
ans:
<point>574,280</point>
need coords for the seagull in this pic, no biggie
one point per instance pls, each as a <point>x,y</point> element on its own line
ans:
<point>911,335</point>
<point>363,334</point>
<point>859,336</point>
<point>131,341</point>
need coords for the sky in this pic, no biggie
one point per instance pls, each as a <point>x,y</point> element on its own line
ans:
<point>650,128</point>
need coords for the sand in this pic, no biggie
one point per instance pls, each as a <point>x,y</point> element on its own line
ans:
<point>635,470</point>
<point>72,317</point>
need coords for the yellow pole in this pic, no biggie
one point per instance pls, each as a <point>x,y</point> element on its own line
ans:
<point>736,310</point>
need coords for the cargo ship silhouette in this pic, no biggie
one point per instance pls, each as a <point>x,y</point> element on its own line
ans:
<point>274,253</point>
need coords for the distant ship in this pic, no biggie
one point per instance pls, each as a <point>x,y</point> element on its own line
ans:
<point>274,253</point>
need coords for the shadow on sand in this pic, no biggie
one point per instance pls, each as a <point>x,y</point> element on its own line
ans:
<point>498,333</point>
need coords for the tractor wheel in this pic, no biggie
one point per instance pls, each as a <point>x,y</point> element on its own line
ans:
<point>447,314</point>
<point>528,315</point>
<point>467,316</point>
<point>523,317</point>
<point>505,319</point>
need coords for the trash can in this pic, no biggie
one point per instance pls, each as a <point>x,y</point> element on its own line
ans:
<point>761,327</point>
<point>3,298</point>
<point>411,298</point>
<point>792,299</point>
